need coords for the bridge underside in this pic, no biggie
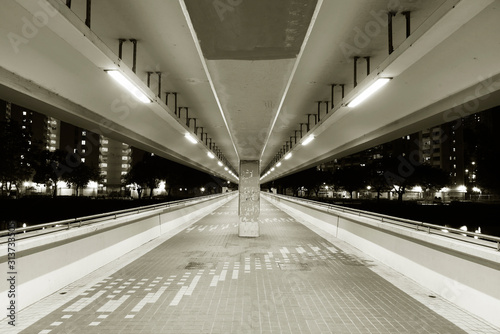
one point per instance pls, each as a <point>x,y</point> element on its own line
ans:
<point>250,72</point>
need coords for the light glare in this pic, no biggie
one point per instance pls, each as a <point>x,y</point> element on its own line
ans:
<point>210,155</point>
<point>122,80</point>
<point>308,140</point>
<point>369,91</point>
<point>288,156</point>
<point>190,138</point>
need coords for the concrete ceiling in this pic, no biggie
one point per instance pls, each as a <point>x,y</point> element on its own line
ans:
<point>250,71</point>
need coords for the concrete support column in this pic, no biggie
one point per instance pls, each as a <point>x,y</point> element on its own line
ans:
<point>249,203</point>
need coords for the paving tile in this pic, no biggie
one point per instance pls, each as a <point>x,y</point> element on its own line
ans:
<point>206,279</point>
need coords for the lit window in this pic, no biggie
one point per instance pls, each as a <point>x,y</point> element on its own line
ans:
<point>83,159</point>
<point>83,142</point>
<point>124,158</point>
<point>84,133</point>
<point>104,164</point>
<point>124,173</point>
<point>124,165</point>
<point>83,150</point>
<point>24,113</point>
<point>104,149</point>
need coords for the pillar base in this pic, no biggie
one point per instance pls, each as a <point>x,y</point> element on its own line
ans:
<point>248,229</point>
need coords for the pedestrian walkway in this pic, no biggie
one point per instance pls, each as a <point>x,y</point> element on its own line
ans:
<point>206,279</point>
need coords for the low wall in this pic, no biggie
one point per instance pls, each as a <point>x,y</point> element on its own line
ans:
<point>49,262</point>
<point>467,275</point>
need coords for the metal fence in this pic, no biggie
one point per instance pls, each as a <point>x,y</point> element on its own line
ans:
<point>35,230</point>
<point>466,236</point>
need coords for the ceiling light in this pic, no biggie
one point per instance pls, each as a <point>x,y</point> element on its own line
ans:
<point>225,168</point>
<point>131,87</point>
<point>278,164</point>
<point>272,169</point>
<point>309,139</point>
<point>190,138</point>
<point>210,155</point>
<point>288,156</point>
<point>220,163</point>
<point>369,91</point>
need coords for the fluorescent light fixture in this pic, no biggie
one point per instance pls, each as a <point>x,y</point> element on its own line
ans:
<point>210,155</point>
<point>131,87</point>
<point>220,163</point>
<point>288,156</point>
<point>368,92</point>
<point>278,164</point>
<point>272,169</point>
<point>190,138</point>
<point>309,139</point>
<point>225,168</point>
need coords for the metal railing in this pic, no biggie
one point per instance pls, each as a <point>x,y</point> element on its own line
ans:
<point>471,237</point>
<point>66,224</point>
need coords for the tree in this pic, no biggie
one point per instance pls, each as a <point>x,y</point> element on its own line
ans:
<point>313,179</point>
<point>50,168</point>
<point>81,175</point>
<point>431,178</point>
<point>350,178</point>
<point>375,177</point>
<point>148,173</point>
<point>400,175</point>
<point>16,156</point>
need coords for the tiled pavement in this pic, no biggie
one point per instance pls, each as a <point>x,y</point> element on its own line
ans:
<point>208,280</point>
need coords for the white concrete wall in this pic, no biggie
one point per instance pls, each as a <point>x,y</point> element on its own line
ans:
<point>49,262</point>
<point>467,275</point>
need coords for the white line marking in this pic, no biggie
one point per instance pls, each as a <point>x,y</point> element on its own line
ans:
<point>215,279</point>
<point>82,303</point>
<point>191,287</point>
<point>178,296</point>
<point>112,305</point>
<point>150,298</point>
